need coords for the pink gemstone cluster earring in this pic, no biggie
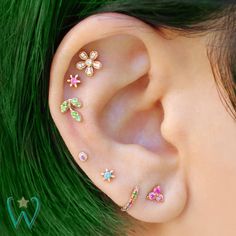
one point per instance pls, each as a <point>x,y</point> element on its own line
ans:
<point>156,195</point>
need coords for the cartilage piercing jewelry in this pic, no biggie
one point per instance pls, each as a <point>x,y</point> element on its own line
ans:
<point>74,81</point>
<point>108,175</point>
<point>133,198</point>
<point>156,195</point>
<point>72,104</point>
<point>89,63</point>
<point>83,156</point>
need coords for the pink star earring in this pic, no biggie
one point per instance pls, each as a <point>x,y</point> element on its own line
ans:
<point>74,81</point>
<point>89,63</point>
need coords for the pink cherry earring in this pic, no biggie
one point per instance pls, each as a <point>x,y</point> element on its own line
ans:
<point>156,195</point>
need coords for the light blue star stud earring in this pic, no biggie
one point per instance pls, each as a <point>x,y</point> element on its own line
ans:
<point>108,175</point>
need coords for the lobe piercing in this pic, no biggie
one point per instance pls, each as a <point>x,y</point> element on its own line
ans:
<point>108,175</point>
<point>74,81</point>
<point>133,198</point>
<point>72,104</point>
<point>156,195</point>
<point>83,156</point>
<point>89,63</point>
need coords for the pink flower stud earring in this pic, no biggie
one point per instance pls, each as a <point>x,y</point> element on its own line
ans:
<point>89,63</point>
<point>74,81</point>
<point>156,195</point>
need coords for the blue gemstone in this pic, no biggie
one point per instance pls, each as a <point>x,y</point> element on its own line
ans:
<point>107,175</point>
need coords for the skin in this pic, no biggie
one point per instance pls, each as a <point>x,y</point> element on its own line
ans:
<point>154,116</point>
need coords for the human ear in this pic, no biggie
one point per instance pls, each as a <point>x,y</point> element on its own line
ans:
<point>123,126</point>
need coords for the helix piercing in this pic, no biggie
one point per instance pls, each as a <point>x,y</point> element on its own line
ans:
<point>72,104</point>
<point>133,198</point>
<point>89,63</point>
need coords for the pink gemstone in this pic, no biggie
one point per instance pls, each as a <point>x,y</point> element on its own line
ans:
<point>152,196</point>
<point>157,190</point>
<point>83,156</point>
<point>160,198</point>
<point>74,81</point>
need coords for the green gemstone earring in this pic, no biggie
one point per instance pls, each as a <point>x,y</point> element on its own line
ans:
<point>72,104</point>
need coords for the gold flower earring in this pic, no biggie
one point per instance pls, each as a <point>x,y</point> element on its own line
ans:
<point>89,63</point>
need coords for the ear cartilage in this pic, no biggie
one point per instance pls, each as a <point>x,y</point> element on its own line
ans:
<point>133,198</point>
<point>89,63</point>
<point>74,81</point>
<point>156,195</point>
<point>83,156</point>
<point>72,104</point>
<point>108,175</point>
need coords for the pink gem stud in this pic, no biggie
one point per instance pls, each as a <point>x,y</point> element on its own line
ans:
<point>83,156</point>
<point>73,81</point>
<point>156,195</point>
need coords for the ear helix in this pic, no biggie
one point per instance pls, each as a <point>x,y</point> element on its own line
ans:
<point>89,63</point>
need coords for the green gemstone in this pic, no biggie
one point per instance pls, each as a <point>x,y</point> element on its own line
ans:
<point>64,106</point>
<point>76,102</point>
<point>76,116</point>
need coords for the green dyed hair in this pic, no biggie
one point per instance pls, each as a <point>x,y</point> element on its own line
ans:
<point>34,160</point>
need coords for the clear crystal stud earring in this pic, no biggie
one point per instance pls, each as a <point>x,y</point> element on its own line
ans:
<point>89,63</point>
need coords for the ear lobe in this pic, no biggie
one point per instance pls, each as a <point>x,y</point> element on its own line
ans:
<point>121,120</point>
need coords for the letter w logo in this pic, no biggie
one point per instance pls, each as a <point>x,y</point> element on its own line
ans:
<point>23,214</point>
